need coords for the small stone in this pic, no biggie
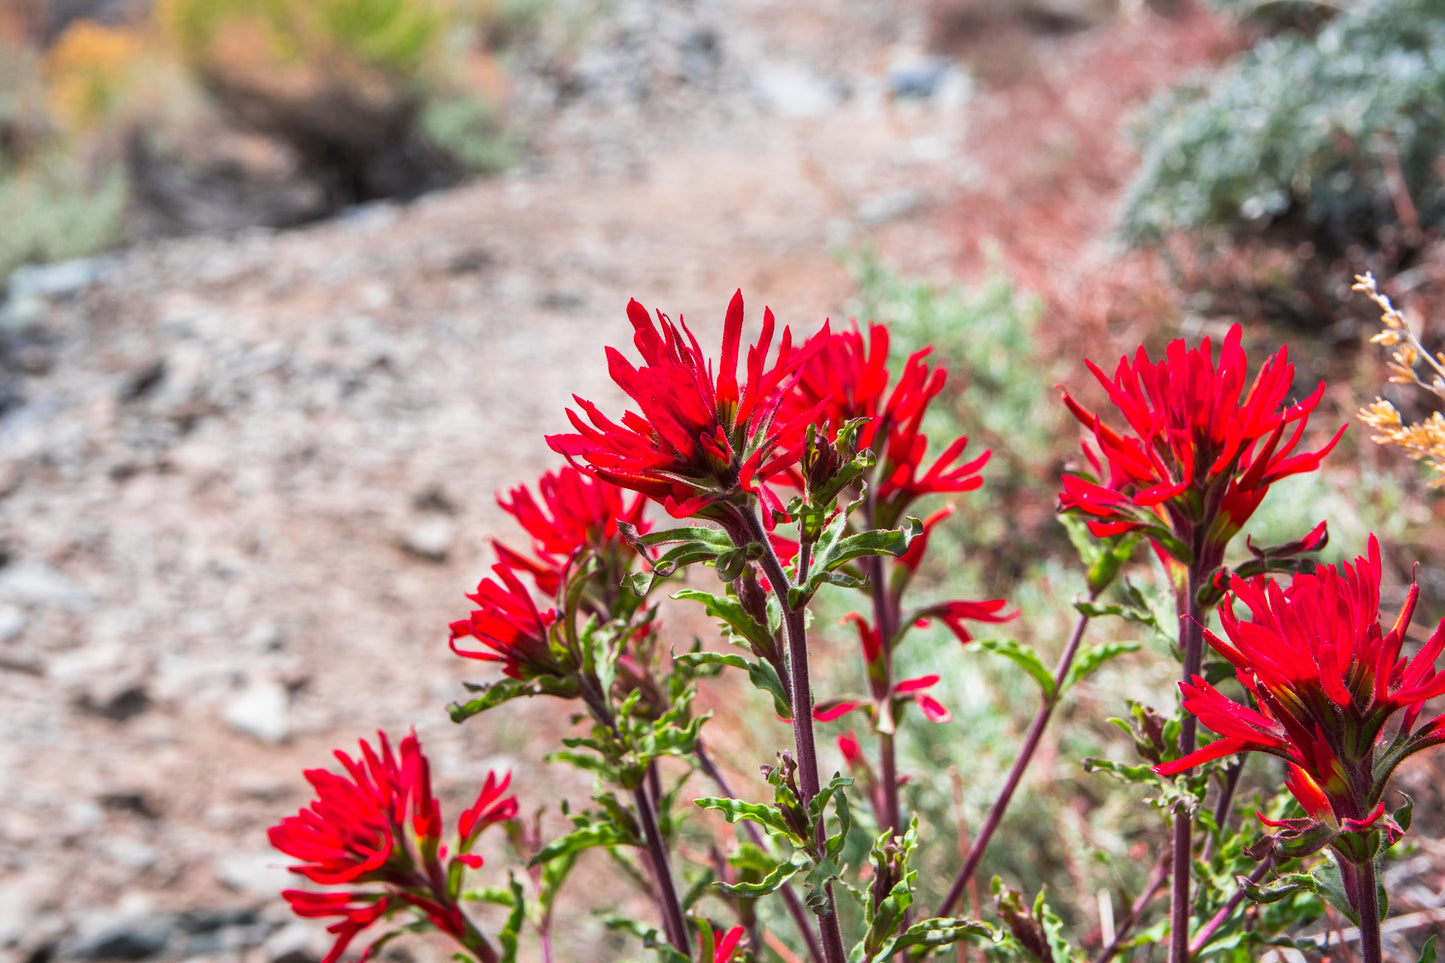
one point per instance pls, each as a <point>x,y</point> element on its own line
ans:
<point>123,934</point>
<point>20,901</point>
<point>880,210</point>
<point>12,622</point>
<point>56,280</point>
<point>261,711</point>
<point>294,943</point>
<point>790,91</point>
<point>260,874</point>
<point>131,853</point>
<point>115,697</point>
<point>265,637</point>
<point>36,583</point>
<point>429,540</point>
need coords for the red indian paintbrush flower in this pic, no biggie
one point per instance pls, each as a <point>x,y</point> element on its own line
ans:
<point>572,513</point>
<point>847,379</point>
<point>1201,447</point>
<point>1325,680</point>
<point>699,439</point>
<point>379,826</point>
<point>509,624</point>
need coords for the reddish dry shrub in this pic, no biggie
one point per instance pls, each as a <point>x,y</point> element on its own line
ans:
<point>1055,159</point>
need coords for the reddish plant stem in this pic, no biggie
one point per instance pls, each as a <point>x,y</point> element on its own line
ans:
<point>1047,704</point>
<point>476,943</point>
<point>1362,887</point>
<point>673,921</point>
<point>885,621</point>
<point>1191,637</point>
<point>802,705</point>
<point>1121,932</point>
<point>796,909</point>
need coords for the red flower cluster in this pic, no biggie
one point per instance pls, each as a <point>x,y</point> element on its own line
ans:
<point>576,513</point>
<point>379,826</point>
<point>509,623</point>
<point>698,439</point>
<point>1201,448</point>
<point>1326,680</point>
<point>848,378</point>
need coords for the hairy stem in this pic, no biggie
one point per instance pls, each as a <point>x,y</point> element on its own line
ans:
<point>1191,637</point>
<point>885,621</point>
<point>476,943</point>
<point>795,906</point>
<point>673,921</point>
<point>1362,887</point>
<point>1026,754</point>
<point>802,706</point>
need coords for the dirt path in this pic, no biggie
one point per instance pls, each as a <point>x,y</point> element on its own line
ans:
<point>244,482</point>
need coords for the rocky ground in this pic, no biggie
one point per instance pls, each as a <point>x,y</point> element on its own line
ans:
<point>245,481</point>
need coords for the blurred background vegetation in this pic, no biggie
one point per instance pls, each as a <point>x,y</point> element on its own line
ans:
<point>127,120</point>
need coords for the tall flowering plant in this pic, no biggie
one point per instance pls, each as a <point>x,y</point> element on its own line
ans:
<point>1324,680</point>
<point>376,832</point>
<point>846,386</point>
<point>1202,445</point>
<point>791,468</point>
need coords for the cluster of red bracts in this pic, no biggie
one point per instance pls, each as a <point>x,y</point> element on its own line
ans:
<point>1325,680</point>
<point>377,831</point>
<point>1201,450</point>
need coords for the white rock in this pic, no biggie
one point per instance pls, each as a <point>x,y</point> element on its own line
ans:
<point>430,539</point>
<point>38,584</point>
<point>262,710</point>
<point>12,622</point>
<point>262,873</point>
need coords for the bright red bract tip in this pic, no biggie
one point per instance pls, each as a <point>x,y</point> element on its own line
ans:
<point>1201,447</point>
<point>1326,679</point>
<point>698,438</point>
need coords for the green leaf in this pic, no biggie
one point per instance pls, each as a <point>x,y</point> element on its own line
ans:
<point>937,932</point>
<point>493,695</point>
<point>1088,661</point>
<point>762,675</point>
<point>586,836</point>
<point>1331,885</point>
<point>1278,889</point>
<point>834,791</point>
<point>780,874</point>
<point>651,938</point>
<point>692,543</point>
<point>1026,658</point>
<point>507,935</point>
<point>1427,952</point>
<point>764,815</point>
<point>732,613</point>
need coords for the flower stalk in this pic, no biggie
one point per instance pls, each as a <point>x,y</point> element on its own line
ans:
<point>1191,637</point>
<point>1048,702</point>
<point>801,697</point>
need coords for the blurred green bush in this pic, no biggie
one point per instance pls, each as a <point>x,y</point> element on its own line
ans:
<point>1332,137</point>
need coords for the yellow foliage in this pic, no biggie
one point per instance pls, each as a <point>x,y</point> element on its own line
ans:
<point>89,72</point>
<point>393,37</point>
